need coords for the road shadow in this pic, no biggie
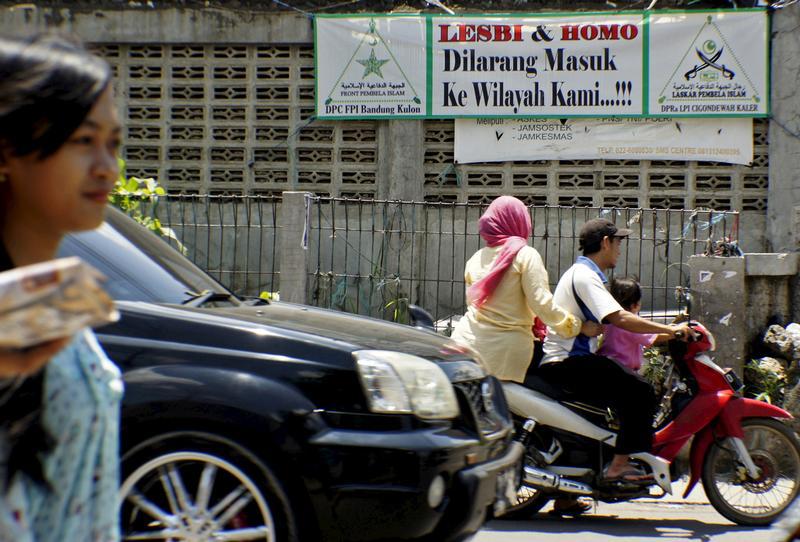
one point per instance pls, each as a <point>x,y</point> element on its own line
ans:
<point>637,528</point>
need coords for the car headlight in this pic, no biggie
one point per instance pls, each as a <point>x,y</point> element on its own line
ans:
<point>401,383</point>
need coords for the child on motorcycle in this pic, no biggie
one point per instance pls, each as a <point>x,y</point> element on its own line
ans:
<point>621,345</point>
<point>574,365</point>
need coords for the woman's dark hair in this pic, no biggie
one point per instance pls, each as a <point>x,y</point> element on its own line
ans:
<point>48,84</point>
<point>626,291</point>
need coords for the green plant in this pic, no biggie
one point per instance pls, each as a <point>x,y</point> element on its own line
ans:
<point>394,300</point>
<point>129,195</point>
<point>398,305</point>
<point>764,382</point>
<point>654,368</point>
<point>340,298</point>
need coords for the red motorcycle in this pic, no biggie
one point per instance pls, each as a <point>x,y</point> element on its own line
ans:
<point>748,460</point>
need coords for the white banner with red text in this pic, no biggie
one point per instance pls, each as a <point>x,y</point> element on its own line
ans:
<point>619,64</point>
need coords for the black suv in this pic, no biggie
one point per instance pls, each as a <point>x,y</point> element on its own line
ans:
<point>248,420</point>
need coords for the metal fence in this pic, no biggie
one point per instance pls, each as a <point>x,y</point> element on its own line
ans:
<point>234,239</point>
<point>375,257</point>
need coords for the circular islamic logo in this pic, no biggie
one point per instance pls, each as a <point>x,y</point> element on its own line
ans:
<point>709,47</point>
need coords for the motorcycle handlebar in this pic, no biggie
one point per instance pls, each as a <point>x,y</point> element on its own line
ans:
<point>694,336</point>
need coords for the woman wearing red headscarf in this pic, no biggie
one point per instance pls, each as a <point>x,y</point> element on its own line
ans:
<point>507,288</point>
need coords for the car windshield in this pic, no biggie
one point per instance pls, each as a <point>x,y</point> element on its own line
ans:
<point>140,266</point>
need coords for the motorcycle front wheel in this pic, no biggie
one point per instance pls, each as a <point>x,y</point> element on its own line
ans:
<point>775,450</point>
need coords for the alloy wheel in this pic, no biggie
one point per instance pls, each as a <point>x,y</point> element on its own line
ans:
<point>193,496</point>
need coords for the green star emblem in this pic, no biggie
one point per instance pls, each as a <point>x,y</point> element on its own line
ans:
<point>372,65</point>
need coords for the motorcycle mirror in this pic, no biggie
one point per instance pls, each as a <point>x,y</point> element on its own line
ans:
<point>684,295</point>
<point>419,317</point>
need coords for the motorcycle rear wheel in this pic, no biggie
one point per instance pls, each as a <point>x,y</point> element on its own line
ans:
<point>529,502</point>
<point>529,499</point>
<point>775,449</point>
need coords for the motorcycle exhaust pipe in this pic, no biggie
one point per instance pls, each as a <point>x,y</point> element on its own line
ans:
<point>543,479</point>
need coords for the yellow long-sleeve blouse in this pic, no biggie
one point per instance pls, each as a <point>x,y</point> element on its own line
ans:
<point>500,331</point>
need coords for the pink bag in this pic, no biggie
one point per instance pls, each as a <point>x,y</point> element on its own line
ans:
<point>539,330</point>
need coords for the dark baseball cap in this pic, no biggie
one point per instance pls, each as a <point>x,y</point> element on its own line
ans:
<point>594,230</point>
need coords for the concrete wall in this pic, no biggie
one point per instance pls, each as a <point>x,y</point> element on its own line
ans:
<point>163,25</point>
<point>410,154</point>
<point>737,297</point>
<point>783,207</point>
<point>405,159</point>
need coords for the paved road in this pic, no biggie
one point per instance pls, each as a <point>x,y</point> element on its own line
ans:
<point>645,520</point>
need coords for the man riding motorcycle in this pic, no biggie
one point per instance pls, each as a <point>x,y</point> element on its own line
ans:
<point>571,363</point>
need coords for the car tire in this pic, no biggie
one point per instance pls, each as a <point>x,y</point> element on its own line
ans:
<point>187,486</point>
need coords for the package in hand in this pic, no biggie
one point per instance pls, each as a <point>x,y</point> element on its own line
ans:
<point>50,300</point>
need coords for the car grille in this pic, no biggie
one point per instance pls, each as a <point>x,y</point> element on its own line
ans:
<point>483,407</point>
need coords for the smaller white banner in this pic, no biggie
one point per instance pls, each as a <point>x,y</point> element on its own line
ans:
<point>705,64</point>
<point>499,140</point>
<point>370,67</point>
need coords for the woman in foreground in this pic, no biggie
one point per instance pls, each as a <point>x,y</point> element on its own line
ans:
<point>59,424</point>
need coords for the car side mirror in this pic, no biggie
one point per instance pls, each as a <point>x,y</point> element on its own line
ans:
<point>419,317</point>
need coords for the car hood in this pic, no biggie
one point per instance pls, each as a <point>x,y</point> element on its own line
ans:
<point>360,332</point>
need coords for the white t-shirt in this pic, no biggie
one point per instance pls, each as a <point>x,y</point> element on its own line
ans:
<point>597,303</point>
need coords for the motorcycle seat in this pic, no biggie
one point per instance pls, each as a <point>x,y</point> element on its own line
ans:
<point>535,382</point>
